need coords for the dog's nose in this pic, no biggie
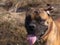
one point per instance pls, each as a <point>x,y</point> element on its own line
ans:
<point>33,26</point>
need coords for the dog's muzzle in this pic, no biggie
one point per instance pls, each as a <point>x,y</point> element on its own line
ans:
<point>32,25</point>
<point>39,28</point>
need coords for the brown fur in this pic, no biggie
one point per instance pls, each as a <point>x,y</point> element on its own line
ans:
<point>53,37</point>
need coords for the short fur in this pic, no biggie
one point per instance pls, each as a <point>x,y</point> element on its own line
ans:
<point>52,34</point>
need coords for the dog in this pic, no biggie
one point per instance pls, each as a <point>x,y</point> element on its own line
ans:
<point>39,23</point>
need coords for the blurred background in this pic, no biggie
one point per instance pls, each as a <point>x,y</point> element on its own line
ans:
<point>12,16</point>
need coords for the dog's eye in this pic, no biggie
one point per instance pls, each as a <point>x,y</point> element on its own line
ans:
<point>36,12</point>
<point>46,23</point>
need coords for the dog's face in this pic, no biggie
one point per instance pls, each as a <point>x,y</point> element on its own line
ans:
<point>38,21</point>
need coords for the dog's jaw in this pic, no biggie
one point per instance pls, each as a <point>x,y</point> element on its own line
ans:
<point>45,36</point>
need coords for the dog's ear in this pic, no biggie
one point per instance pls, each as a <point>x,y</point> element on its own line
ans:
<point>49,9</point>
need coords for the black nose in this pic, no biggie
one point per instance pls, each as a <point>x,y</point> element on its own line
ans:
<point>32,26</point>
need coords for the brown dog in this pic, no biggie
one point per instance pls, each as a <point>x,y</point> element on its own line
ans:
<point>42,25</point>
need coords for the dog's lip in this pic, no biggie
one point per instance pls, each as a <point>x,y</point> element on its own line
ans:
<point>43,32</point>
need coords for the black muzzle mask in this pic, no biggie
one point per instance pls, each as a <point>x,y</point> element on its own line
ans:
<point>38,27</point>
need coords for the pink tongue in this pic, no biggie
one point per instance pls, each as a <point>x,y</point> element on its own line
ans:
<point>31,39</point>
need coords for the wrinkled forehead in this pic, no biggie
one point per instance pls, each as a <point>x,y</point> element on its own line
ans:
<point>38,9</point>
<point>38,12</point>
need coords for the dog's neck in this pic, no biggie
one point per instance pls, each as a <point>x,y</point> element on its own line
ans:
<point>52,37</point>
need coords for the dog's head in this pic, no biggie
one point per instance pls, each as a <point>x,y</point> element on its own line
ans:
<point>37,21</point>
